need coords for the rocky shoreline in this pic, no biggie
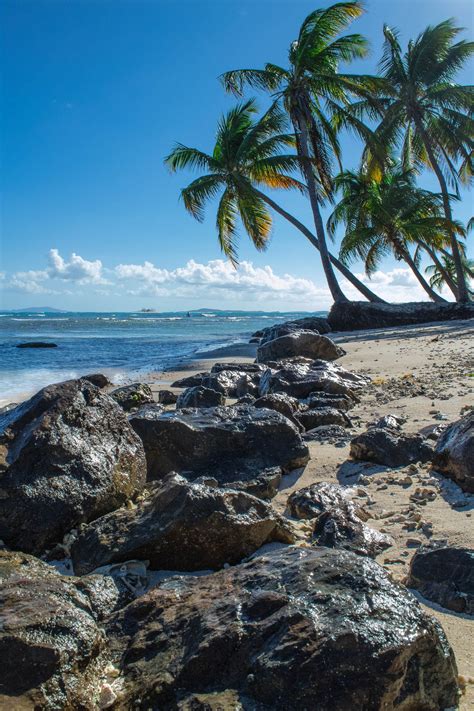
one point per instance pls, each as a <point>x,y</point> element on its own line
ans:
<point>246,536</point>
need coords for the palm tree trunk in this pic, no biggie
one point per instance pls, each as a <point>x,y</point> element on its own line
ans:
<point>360,286</point>
<point>301,131</point>
<point>447,278</point>
<point>431,292</point>
<point>462,290</point>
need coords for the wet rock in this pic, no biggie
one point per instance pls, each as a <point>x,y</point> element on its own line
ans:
<point>199,396</point>
<point>454,452</point>
<point>313,500</point>
<point>246,400</point>
<point>97,379</point>
<point>303,377</point>
<point>37,344</point>
<point>232,383</point>
<point>181,526</point>
<point>327,433</point>
<point>7,408</point>
<point>310,419</point>
<point>189,381</point>
<point>281,632</point>
<point>341,527</point>
<point>167,397</point>
<point>392,422</point>
<point>231,443</point>
<point>132,396</point>
<point>280,402</point>
<point>52,650</point>
<point>248,368</point>
<point>390,447</point>
<point>316,401</point>
<point>68,455</point>
<point>299,343</point>
<point>445,576</point>
<point>309,323</point>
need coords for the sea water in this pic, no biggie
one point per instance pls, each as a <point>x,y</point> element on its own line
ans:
<point>124,346</point>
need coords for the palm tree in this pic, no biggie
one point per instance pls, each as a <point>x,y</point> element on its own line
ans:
<point>389,215</point>
<point>438,277</point>
<point>247,156</point>
<point>313,92</point>
<point>428,112</point>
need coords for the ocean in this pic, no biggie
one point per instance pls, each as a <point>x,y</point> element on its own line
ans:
<point>124,346</point>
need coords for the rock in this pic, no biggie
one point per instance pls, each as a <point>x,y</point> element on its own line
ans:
<point>390,447</point>
<point>242,368</point>
<point>341,527</point>
<point>445,576</point>
<point>246,400</point>
<point>313,500</point>
<point>280,632</point>
<point>97,379</point>
<point>299,343</point>
<point>52,650</point>
<point>7,408</point>
<point>310,419</point>
<point>167,397</point>
<point>309,323</point>
<point>37,344</point>
<point>304,377</point>
<point>454,452</point>
<point>189,381</point>
<point>316,401</point>
<point>181,526</point>
<point>230,443</point>
<point>199,396</point>
<point>327,433</point>
<point>355,315</point>
<point>68,456</point>
<point>232,383</point>
<point>280,402</point>
<point>392,422</point>
<point>132,396</point>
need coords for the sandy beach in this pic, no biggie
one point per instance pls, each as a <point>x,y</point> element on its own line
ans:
<point>424,374</point>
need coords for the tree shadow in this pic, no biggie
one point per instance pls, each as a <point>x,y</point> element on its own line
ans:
<point>458,329</point>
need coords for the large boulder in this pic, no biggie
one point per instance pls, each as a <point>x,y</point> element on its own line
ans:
<point>280,402</point>
<point>302,377</point>
<point>167,397</point>
<point>52,651</point>
<point>248,368</point>
<point>446,576</point>
<point>299,343</point>
<point>132,396</point>
<point>227,443</point>
<point>181,526</point>
<point>189,381</point>
<point>293,629</point>
<point>68,455</point>
<point>319,400</point>
<point>308,323</point>
<point>98,379</point>
<point>232,382</point>
<point>390,447</point>
<point>355,315</point>
<point>313,500</point>
<point>341,527</point>
<point>309,419</point>
<point>199,396</point>
<point>454,452</point>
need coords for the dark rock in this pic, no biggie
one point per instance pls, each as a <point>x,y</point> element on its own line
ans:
<point>232,383</point>
<point>7,408</point>
<point>299,343</point>
<point>181,526</point>
<point>68,455</point>
<point>199,396</point>
<point>167,397</point>
<point>97,379</point>
<point>341,527</point>
<point>280,402</point>
<point>263,483</point>
<point>231,443</point>
<point>313,500</point>
<point>355,315</point>
<point>51,648</point>
<point>445,576</point>
<point>454,452</point>
<point>309,323</point>
<point>310,419</point>
<point>316,401</point>
<point>294,629</point>
<point>132,396</point>
<point>189,381</point>
<point>327,433</point>
<point>392,422</point>
<point>246,400</point>
<point>37,344</point>
<point>249,368</point>
<point>390,447</point>
<point>255,339</point>
<point>303,377</point>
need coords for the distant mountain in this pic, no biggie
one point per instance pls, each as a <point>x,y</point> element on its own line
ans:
<point>37,310</point>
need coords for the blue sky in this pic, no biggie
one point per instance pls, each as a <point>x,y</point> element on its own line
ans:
<point>95,94</point>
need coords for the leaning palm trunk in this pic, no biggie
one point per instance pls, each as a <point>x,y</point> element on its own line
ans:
<point>302,141</point>
<point>462,290</point>
<point>359,285</point>
<point>447,277</point>
<point>419,276</point>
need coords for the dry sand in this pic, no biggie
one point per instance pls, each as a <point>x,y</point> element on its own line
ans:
<point>425,374</point>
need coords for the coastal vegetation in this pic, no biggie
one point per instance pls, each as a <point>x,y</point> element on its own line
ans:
<point>413,111</point>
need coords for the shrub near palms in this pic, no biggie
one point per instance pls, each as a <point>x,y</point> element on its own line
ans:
<point>431,113</point>
<point>389,214</point>
<point>313,90</point>
<point>246,156</point>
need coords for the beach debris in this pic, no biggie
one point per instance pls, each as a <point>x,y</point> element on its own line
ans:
<point>181,526</point>
<point>71,456</point>
<point>199,396</point>
<point>307,344</point>
<point>454,452</point>
<point>273,623</point>
<point>445,575</point>
<point>131,397</point>
<point>390,447</point>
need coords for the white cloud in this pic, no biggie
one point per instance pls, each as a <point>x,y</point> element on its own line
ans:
<point>77,269</point>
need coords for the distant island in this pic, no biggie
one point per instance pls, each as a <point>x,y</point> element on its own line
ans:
<point>37,309</point>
